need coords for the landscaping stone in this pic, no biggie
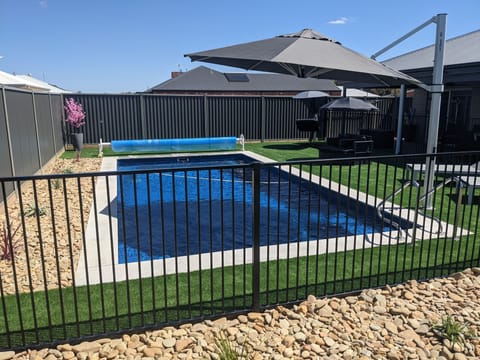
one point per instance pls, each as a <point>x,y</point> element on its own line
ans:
<point>349,328</point>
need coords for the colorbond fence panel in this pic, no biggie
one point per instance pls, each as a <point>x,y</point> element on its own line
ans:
<point>58,128</point>
<point>110,117</point>
<point>280,116</point>
<point>37,128</point>
<point>22,132</point>
<point>44,127</point>
<point>168,117</point>
<point>232,116</point>
<point>5,164</point>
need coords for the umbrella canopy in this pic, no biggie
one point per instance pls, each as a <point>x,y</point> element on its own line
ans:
<point>345,104</point>
<point>305,54</point>
<point>310,94</point>
<point>348,103</point>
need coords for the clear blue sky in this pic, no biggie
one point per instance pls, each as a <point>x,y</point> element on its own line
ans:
<point>108,46</point>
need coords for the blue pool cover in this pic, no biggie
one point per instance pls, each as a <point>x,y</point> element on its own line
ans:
<point>185,211</point>
<point>169,145</point>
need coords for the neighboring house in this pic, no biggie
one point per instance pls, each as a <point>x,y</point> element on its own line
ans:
<point>460,112</point>
<point>10,80</point>
<point>51,88</point>
<point>27,82</point>
<point>205,81</point>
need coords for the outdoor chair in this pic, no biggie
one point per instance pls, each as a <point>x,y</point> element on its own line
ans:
<point>350,143</point>
<point>471,182</point>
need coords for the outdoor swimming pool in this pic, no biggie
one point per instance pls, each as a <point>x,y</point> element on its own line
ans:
<point>187,210</point>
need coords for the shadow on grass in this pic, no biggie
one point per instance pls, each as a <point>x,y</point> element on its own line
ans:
<point>288,146</point>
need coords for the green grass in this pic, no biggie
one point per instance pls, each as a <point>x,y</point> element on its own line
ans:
<point>148,301</point>
<point>138,303</point>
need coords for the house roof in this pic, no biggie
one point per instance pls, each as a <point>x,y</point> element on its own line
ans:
<point>15,81</point>
<point>459,50</point>
<point>203,78</point>
<point>28,82</point>
<point>50,87</point>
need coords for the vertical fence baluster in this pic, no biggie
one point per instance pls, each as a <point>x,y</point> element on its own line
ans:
<point>256,236</point>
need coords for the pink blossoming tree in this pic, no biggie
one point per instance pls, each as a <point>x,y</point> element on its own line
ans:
<point>75,113</point>
<point>76,118</point>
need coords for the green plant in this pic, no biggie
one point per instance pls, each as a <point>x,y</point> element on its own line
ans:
<point>9,243</point>
<point>453,330</point>
<point>67,171</point>
<point>34,210</point>
<point>226,350</point>
<point>56,184</point>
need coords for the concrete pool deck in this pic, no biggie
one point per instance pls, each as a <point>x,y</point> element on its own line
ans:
<point>98,261</point>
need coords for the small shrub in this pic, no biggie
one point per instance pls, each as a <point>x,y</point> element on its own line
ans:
<point>453,330</point>
<point>34,210</point>
<point>227,351</point>
<point>9,243</point>
<point>67,170</point>
<point>56,184</point>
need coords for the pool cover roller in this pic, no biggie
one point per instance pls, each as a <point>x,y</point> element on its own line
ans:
<point>188,144</point>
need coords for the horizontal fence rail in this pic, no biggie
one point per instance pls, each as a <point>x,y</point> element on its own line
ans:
<point>150,244</point>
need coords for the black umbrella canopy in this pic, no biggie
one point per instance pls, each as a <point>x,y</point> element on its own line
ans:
<point>345,104</point>
<point>305,54</point>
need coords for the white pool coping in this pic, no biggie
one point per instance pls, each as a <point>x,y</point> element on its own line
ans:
<point>105,250</point>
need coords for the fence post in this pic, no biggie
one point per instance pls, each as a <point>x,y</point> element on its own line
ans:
<point>143,122</point>
<point>206,119</point>
<point>35,120</point>
<point>256,236</point>
<point>262,120</point>
<point>52,124</point>
<point>9,137</point>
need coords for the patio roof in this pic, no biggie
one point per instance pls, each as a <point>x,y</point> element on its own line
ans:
<point>460,50</point>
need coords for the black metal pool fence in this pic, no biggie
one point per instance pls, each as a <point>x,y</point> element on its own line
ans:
<point>85,255</point>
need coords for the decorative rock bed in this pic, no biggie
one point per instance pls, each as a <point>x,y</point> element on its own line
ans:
<point>391,323</point>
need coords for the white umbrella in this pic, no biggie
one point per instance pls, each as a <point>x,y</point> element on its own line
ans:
<point>310,94</point>
<point>349,103</point>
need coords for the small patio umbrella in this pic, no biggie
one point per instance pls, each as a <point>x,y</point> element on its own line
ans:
<point>310,94</point>
<point>312,97</point>
<point>345,104</point>
<point>305,54</point>
<point>349,103</point>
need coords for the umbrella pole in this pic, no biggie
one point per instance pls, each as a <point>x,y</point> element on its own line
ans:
<point>398,143</point>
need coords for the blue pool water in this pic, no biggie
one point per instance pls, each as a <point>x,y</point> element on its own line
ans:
<point>185,210</point>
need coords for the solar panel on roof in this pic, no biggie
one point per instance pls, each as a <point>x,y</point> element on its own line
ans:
<point>236,77</point>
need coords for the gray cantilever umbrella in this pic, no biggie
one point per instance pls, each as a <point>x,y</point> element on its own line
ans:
<point>305,54</point>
